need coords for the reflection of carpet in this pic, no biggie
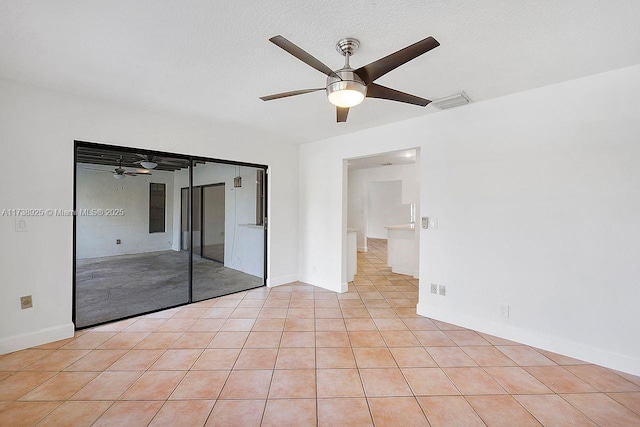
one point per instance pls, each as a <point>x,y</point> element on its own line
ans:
<point>115,287</point>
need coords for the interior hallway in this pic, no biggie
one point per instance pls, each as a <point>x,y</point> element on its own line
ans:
<point>300,355</point>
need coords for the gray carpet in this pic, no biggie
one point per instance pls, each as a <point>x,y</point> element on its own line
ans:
<point>111,288</point>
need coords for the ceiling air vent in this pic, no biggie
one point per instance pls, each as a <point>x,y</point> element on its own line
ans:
<point>451,101</point>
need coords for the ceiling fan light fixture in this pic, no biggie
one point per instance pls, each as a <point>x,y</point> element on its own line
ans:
<point>148,165</point>
<point>348,92</point>
<point>346,98</point>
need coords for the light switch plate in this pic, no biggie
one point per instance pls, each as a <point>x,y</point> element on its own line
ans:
<point>504,310</point>
<point>442,290</point>
<point>434,288</point>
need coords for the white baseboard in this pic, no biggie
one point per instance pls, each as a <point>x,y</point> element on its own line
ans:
<point>564,347</point>
<point>407,270</point>
<point>39,337</point>
<point>281,280</point>
<point>340,288</point>
<point>362,249</point>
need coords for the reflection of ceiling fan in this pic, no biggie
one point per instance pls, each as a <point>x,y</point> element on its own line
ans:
<point>150,162</point>
<point>120,173</point>
<point>347,87</point>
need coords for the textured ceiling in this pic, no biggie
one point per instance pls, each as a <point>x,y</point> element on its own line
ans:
<point>213,59</point>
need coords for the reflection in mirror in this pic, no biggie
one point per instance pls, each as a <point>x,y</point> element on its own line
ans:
<point>228,245</point>
<point>153,231</point>
<point>128,261</point>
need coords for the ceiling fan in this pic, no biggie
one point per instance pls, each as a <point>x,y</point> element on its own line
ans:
<point>121,173</point>
<point>150,162</point>
<point>347,87</point>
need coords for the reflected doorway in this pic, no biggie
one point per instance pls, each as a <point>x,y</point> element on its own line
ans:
<point>208,221</point>
<point>213,221</point>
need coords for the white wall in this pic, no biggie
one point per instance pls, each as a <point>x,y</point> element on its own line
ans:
<point>96,235</point>
<point>39,126</point>
<point>537,199</point>
<point>358,180</point>
<point>243,244</point>
<point>385,208</point>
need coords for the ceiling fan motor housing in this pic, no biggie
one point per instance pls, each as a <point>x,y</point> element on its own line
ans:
<point>350,82</point>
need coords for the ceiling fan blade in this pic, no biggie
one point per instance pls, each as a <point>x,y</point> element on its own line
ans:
<point>99,170</point>
<point>303,56</point>
<point>342,114</point>
<point>383,92</point>
<point>291,93</point>
<point>379,68</point>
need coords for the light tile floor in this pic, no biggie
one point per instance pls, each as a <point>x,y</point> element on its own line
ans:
<point>298,355</point>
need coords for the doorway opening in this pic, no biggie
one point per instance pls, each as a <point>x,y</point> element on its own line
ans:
<point>381,199</point>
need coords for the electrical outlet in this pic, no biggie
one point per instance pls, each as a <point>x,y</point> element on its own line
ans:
<point>504,311</point>
<point>434,288</point>
<point>26,302</point>
<point>442,290</point>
